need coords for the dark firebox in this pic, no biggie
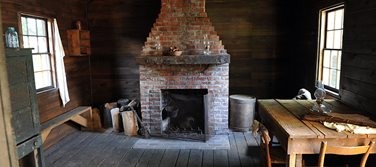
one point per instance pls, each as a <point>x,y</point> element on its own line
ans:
<point>183,113</point>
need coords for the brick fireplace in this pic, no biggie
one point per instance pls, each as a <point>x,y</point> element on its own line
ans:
<point>185,25</point>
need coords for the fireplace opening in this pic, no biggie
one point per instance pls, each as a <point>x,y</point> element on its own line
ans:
<point>184,114</point>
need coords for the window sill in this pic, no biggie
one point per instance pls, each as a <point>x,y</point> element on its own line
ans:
<point>47,91</point>
<point>332,95</point>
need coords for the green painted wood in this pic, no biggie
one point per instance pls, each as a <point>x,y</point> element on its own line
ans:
<point>28,146</point>
<point>25,114</point>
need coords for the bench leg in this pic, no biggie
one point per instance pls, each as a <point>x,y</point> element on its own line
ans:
<point>45,133</point>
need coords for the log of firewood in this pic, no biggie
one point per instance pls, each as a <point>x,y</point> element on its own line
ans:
<point>355,119</point>
<point>129,107</point>
<point>115,115</point>
<point>107,121</point>
<point>129,123</point>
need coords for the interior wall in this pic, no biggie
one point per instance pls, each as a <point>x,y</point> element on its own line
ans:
<point>358,76</point>
<point>119,29</point>
<point>358,84</point>
<point>250,30</point>
<point>77,68</point>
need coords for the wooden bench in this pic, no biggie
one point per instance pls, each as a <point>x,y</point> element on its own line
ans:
<point>81,115</point>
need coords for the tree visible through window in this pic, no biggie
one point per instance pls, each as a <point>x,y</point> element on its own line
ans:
<point>329,65</point>
<point>36,34</point>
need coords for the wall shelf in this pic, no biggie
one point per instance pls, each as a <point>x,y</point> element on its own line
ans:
<point>79,43</point>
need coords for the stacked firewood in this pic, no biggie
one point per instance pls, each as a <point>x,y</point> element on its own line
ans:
<point>122,116</point>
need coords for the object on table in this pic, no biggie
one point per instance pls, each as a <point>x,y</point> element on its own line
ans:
<point>355,129</point>
<point>320,94</point>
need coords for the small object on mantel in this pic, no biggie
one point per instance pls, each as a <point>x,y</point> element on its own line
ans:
<point>178,53</point>
<point>175,51</point>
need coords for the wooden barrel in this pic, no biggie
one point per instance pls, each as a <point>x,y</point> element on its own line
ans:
<point>242,109</point>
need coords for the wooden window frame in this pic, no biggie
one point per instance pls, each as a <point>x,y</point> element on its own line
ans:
<point>322,36</point>
<point>50,45</point>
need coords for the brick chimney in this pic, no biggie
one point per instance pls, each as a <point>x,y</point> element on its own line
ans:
<point>184,24</point>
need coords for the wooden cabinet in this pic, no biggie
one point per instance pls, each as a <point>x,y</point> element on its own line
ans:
<point>79,43</point>
<point>25,114</point>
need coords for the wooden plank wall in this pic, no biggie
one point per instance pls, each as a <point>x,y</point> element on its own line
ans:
<point>358,79</point>
<point>77,68</point>
<point>250,31</point>
<point>358,84</point>
<point>119,28</point>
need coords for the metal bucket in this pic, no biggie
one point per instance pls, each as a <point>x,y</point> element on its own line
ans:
<point>242,109</point>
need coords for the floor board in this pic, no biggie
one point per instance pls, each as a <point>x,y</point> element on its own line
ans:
<point>182,160</point>
<point>157,156</point>
<point>84,149</point>
<point>208,159</point>
<point>169,158</point>
<point>220,158</point>
<point>195,158</point>
<point>242,146</point>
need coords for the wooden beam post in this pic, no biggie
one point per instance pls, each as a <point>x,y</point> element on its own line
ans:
<point>8,157</point>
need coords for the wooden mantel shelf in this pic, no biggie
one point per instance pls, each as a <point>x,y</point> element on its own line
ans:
<point>184,59</point>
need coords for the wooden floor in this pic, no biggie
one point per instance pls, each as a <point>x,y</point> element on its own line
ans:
<point>86,149</point>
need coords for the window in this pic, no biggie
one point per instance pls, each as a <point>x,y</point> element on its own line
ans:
<point>330,52</point>
<point>36,33</point>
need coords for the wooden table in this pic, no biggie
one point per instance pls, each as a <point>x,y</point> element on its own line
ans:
<point>284,120</point>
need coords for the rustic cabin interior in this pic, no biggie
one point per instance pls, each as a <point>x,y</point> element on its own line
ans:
<point>187,83</point>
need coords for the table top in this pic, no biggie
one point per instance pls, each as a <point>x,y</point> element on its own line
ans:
<point>284,118</point>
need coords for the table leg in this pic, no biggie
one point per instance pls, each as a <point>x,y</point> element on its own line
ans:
<point>291,160</point>
<point>295,160</point>
<point>299,160</point>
